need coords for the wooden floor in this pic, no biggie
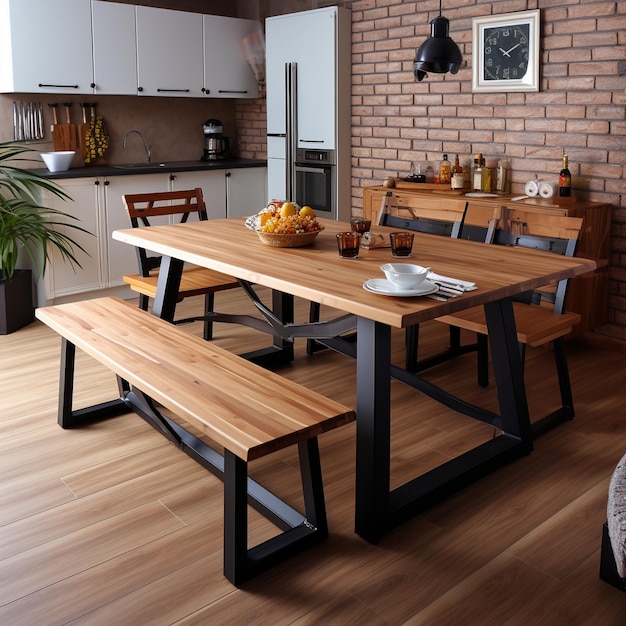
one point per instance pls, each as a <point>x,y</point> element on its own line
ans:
<point>109,524</point>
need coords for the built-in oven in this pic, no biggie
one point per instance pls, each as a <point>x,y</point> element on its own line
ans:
<point>315,178</point>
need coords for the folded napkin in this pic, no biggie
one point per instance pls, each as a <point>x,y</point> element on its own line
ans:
<point>375,240</point>
<point>452,284</point>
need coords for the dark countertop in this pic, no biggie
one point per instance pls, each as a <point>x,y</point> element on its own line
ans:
<point>94,171</point>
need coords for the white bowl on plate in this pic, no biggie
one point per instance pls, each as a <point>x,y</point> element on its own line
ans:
<point>405,275</point>
<point>58,161</point>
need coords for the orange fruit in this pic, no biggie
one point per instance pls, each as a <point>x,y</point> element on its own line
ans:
<point>287,209</point>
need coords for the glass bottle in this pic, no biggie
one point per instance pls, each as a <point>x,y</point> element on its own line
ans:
<point>489,175</point>
<point>565,180</point>
<point>457,181</point>
<point>445,168</point>
<point>477,173</point>
<point>502,177</point>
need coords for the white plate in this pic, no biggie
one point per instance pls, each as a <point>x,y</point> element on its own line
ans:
<point>385,288</point>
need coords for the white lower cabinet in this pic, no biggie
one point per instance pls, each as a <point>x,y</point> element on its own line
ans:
<point>97,203</point>
<point>212,185</point>
<point>246,191</point>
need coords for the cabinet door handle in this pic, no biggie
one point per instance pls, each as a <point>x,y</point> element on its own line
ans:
<point>311,140</point>
<point>59,86</point>
<point>174,90</point>
<point>232,91</point>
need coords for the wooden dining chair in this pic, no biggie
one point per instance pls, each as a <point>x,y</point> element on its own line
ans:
<point>540,315</point>
<point>173,207</point>
<point>450,217</point>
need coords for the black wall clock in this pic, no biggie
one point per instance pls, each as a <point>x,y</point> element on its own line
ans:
<point>505,52</point>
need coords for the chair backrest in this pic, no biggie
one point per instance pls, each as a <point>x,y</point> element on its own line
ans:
<point>452,217</point>
<point>178,206</point>
<point>553,233</point>
<point>444,220</point>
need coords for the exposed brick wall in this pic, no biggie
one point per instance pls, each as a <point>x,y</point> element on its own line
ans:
<point>580,107</point>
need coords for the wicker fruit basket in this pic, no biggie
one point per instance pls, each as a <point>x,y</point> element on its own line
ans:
<point>286,240</point>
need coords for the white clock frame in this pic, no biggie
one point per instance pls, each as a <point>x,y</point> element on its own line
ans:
<point>530,81</point>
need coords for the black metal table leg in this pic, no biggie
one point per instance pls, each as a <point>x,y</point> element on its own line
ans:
<point>379,509</point>
<point>373,438</point>
<point>168,285</point>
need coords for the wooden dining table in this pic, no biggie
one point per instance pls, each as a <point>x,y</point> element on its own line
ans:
<point>317,273</point>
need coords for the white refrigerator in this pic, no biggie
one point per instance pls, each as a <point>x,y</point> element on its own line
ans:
<point>308,74</point>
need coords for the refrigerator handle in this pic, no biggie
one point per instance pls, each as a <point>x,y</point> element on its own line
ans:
<point>291,126</point>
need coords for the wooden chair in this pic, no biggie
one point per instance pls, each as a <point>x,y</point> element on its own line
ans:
<point>453,217</point>
<point>166,207</point>
<point>540,316</point>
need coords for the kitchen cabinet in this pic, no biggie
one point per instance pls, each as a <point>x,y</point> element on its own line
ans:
<point>97,203</point>
<point>226,73</point>
<point>45,47</point>
<point>114,48</point>
<point>169,52</point>
<point>246,191</point>
<point>212,185</point>
<point>587,294</point>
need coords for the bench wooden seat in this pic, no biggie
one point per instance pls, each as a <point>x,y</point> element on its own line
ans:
<point>249,411</point>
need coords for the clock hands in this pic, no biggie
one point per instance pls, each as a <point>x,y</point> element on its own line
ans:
<point>506,52</point>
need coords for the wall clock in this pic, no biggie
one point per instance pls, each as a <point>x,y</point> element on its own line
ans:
<point>505,52</point>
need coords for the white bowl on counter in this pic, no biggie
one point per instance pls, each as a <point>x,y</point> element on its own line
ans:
<point>58,161</point>
<point>405,275</point>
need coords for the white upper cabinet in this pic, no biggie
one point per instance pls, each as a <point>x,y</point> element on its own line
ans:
<point>114,48</point>
<point>45,46</point>
<point>169,52</point>
<point>226,73</point>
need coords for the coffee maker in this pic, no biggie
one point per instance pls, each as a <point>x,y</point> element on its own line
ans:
<point>215,146</point>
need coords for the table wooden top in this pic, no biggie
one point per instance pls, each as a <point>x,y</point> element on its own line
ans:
<point>317,273</point>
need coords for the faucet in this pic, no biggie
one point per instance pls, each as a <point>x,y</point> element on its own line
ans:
<point>145,144</point>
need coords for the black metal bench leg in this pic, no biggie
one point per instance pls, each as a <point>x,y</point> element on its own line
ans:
<point>241,563</point>
<point>313,486</point>
<point>143,301</point>
<point>235,518</point>
<point>67,417</point>
<point>66,383</point>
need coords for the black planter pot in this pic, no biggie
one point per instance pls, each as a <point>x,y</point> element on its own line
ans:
<point>16,302</point>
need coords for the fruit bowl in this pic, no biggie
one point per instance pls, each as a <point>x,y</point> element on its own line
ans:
<point>288,240</point>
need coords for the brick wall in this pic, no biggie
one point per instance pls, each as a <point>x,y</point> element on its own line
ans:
<point>580,107</point>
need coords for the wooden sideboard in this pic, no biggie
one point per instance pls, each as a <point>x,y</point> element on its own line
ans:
<point>588,294</point>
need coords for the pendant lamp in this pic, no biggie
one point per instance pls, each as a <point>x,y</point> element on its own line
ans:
<point>439,53</point>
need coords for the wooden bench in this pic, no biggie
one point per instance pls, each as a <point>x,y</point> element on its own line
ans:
<point>249,411</point>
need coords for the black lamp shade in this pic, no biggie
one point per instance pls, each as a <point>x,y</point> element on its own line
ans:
<point>439,53</point>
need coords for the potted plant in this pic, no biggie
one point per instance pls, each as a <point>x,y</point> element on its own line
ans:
<point>27,228</point>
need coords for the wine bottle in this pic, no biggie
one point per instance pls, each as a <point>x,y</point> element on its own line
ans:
<point>457,181</point>
<point>444,170</point>
<point>565,180</point>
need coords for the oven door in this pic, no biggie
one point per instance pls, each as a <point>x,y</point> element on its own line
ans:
<point>315,188</point>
